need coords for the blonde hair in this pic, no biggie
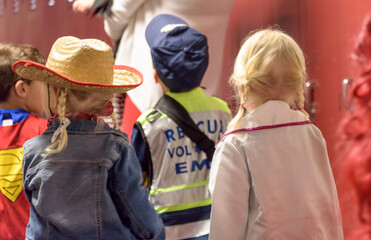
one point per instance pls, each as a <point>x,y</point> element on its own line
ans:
<point>269,66</point>
<point>75,102</point>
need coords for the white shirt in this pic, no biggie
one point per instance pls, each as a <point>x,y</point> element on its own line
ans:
<point>274,183</point>
<point>129,20</point>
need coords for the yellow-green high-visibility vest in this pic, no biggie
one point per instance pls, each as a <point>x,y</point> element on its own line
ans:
<point>180,170</point>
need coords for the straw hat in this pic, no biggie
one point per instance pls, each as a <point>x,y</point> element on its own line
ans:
<point>81,64</point>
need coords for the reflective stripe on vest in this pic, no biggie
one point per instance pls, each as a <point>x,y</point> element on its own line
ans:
<point>175,188</point>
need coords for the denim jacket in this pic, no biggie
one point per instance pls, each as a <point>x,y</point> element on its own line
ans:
<point>90,190</point>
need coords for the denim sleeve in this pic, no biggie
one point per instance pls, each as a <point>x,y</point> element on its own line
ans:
<point>131,198</point>
<point>141,148</point>
<point>25,164</point>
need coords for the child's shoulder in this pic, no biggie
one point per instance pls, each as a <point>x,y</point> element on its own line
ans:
<point>151,115</point>
<point>221,104</point>
<point>9,117</point>
<point>19,127</point>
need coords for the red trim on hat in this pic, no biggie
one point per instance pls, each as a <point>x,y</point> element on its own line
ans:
<point>130,69</point>
<point>43,67</point>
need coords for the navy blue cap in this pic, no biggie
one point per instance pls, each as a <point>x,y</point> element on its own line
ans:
<point>179,53</point>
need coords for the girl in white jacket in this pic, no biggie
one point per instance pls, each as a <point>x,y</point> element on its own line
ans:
<point>271,177</point>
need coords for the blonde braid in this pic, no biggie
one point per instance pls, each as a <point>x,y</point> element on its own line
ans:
<point>61,141</point>
<point>234,122</point>
<point>298,102</point>
<point>301,100</point>
<point>241,111</point>
<point>114,121</point>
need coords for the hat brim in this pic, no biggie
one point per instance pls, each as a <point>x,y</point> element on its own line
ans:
<point>125,78</point>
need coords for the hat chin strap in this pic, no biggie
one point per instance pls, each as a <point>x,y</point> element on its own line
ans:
<point>50,110</point>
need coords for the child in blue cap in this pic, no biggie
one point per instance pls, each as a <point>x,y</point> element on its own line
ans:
<point>175,169</point>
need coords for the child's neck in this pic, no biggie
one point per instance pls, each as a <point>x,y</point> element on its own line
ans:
<point>11,105</point>
<point>13,102</point>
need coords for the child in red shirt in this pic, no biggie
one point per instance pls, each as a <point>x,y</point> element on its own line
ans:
<point>18,98</point>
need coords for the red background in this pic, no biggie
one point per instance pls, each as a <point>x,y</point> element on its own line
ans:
<point>326,30</point>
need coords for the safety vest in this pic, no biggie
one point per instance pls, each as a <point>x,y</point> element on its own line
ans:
<point>180,170</point>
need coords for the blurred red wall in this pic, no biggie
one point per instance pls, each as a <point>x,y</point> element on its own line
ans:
<point>43,25</point>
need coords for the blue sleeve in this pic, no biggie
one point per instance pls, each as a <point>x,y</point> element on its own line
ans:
<point>141,148</point>
<point>131,198</point>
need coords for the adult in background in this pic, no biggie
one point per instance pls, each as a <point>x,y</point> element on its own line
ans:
<point>127,20</point>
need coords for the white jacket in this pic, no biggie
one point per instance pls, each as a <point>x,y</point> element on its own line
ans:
<point>274,183</point>
<point>129,20</point>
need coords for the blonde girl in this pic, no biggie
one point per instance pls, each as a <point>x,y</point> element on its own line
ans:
<point>82,177</point>
<point>271,177</point>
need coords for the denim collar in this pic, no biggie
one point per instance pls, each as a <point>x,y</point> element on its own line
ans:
<point>84,125</point>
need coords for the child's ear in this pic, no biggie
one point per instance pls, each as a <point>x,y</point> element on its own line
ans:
<point>155,75</point>
<point>158,80</point>
<point>21,88</point>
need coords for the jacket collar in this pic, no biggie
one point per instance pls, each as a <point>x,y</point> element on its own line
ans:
<point>271,113</point>
<point>84,125</point>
